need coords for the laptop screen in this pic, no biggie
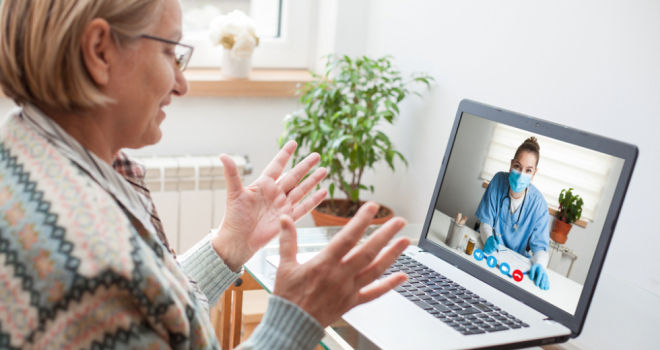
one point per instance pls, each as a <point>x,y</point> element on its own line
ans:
<point>508,196</point>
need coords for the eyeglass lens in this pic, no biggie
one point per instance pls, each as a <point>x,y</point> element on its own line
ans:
<point>183,54</point>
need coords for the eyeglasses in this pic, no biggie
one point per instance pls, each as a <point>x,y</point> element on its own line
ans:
<point>182,52</point>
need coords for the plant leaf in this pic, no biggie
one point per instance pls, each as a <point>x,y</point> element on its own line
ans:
<point>331,190</point>
<point>342,111</point>
<point>355,195</point>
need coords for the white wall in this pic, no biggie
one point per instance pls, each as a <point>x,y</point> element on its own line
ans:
<point>462,188</point>
<point>592,65</point>
<point>203,125</point>
<point>244,126</point>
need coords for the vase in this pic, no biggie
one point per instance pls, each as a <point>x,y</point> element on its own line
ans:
<point>560,231</point>
<point>323,219</point>
<point>235,68</point>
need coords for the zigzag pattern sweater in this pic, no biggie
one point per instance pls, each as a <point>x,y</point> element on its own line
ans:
<point>79,271</point>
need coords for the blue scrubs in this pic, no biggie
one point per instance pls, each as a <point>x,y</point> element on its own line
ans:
<point>534,218</point>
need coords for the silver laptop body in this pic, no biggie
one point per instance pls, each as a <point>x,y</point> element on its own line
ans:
<point>395,322</point>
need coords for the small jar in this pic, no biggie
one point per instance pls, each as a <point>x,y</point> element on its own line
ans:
<point>464,242</point>
<point>469,248</point>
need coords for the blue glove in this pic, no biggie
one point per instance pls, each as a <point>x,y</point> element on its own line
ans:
<point>539,276</point>
<point>492,244</point>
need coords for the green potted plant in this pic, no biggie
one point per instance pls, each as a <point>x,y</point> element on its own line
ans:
<point>569,211</point>
<point>342,110</point>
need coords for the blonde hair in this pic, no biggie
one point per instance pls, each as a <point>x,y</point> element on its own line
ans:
<point>40,47</point>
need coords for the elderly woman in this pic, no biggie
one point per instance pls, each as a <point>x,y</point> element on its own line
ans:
<point>83,258</point>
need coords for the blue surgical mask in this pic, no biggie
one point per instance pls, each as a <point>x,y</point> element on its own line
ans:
<point>519,181</point>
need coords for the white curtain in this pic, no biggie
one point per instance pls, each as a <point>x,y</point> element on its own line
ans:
<point>562,166</point>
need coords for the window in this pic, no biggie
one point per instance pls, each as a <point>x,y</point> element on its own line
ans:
<point>283,28</point>
<point>561,166</point>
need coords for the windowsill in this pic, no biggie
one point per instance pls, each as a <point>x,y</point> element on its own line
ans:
<point>209,82</point>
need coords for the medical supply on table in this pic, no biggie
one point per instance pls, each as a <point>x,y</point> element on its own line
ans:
<point>463,220</point>
<point>464,242</point>
<point>469,249</point>
<point>455,232</point>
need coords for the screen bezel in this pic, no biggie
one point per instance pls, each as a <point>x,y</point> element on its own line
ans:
<point>627,152</point>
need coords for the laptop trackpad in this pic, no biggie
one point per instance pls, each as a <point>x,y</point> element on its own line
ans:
<point>392,322</point>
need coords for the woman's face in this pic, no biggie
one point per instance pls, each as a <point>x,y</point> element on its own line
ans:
<point>525,163</point>
<point>144,81</point>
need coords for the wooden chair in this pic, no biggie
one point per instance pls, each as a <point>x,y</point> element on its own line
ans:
<point>226,316</point>
<point>255,303</point>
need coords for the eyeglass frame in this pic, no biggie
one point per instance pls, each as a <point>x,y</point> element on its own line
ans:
<point>180,63</point>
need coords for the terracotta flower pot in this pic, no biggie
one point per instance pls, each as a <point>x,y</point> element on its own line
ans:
<point>560,231</point>
<point>323,219</point>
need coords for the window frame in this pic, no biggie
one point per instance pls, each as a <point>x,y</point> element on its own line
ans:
<point>290,50</point>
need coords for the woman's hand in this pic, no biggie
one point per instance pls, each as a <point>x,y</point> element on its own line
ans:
<point>342,275</point>
<point>252,215</point>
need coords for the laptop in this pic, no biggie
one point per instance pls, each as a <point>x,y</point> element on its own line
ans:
<point>459,296</point>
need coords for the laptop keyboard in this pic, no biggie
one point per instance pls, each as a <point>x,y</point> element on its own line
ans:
<point>449,302</point>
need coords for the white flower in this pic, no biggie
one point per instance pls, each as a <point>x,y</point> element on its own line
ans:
<point>244,44</point>
<point>226,29</point>
<point>239,21</point>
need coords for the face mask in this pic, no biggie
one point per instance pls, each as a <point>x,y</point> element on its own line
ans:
<point>519,181</point>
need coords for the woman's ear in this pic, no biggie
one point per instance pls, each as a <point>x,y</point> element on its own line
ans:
<point>96,47</point>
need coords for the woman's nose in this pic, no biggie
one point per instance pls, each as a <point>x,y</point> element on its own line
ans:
<point>180,84</point>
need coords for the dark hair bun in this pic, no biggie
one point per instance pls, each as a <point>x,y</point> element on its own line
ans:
<point>530,145</point>
<point>534,142</point>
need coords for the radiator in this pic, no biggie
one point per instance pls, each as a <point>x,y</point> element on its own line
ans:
<point>189,193</point>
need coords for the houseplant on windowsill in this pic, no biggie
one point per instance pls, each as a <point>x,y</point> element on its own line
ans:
<point>569,211</point>
<point>339,120</point>
<point>237,34</point>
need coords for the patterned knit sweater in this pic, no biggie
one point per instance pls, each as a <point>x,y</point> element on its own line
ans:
<point>79,271</point>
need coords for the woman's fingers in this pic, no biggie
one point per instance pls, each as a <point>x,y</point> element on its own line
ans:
<point>293,177</point>
<point>232,178</point>
<point>300,191</point>
<point>363,255</point>
<point>346,239</point>
<point>288,241</point>
<point>276,166</point>
<point>380,287</point>
<point>384,260</point>
<point>310,203</point>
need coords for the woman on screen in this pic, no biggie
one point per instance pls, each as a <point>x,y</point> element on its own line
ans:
<point>514,214</point>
